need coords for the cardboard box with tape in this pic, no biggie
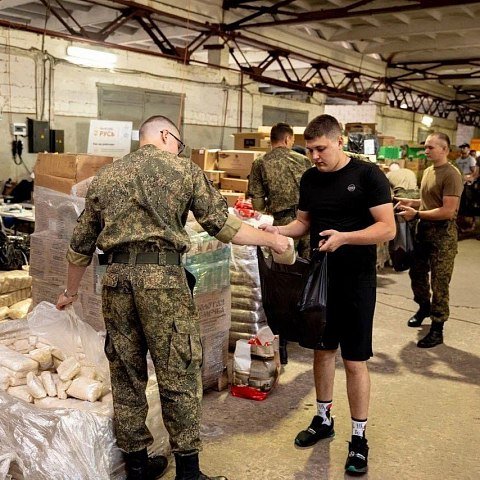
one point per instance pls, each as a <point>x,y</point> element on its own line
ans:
<point>205,158</point>
<point>235,184</point>
<point>237,163</point>
<point>61,171</point>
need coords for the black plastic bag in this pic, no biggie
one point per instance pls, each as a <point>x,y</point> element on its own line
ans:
<point>401,247</point>
<point>13,252</point>
<point>281,287</point>
<point>312,305</point>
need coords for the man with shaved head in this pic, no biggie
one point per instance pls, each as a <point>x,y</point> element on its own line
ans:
<point>135,211</point>
<point>435,243</point>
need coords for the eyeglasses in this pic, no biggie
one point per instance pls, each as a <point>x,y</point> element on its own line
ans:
<point>181,145</point>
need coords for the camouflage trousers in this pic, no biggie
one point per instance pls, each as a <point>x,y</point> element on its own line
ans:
<point>302,245</point>
<point>435,247</point>
<point>150,308</point>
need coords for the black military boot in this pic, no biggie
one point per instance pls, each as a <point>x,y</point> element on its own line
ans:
<point>189,469</point>
<point>140,467</point>
<point>420,316</point>
<point>434,337</point>
<point>283,351</point>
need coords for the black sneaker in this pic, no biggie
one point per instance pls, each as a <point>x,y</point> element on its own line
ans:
<point>357,460</point>
<point>315,432</point>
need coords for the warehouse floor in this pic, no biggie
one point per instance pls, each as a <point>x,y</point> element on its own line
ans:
<point>425,418</point>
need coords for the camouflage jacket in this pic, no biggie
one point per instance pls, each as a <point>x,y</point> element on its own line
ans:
<point>141,202</point>
<point>274,181</point>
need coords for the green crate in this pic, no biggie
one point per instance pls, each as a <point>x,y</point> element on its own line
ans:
<point>392,153</point>
<point>416,152</point>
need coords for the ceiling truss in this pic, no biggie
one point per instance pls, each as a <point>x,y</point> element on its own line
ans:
<point>280,67</point>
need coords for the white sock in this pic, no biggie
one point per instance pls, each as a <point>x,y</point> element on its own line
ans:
<point>358,427</point>
<point>323,410</point>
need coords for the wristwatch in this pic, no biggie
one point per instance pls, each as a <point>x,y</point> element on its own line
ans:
<point>417,215</point>
<point>65,293</point>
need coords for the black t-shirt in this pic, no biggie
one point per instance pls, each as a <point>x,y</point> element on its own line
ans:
<point>341,201</point>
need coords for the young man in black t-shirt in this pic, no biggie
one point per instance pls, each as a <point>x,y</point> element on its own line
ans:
<point>345,204</point>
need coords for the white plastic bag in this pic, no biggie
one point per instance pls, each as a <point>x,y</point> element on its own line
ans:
<point>65,330</point>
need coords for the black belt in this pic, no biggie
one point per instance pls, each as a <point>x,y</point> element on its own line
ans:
<point>144,258</point>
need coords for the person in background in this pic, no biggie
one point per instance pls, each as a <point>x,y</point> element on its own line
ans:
<point>467,164</point>
<point>435,244</point>
<point>274,185</point>
<point>299,149</point>
<point>346,205</point>
<point>135,211</point>
<point>274,181</point>
<point>402,181</point>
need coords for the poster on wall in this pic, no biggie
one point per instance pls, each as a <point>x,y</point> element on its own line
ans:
<point>110,138</point>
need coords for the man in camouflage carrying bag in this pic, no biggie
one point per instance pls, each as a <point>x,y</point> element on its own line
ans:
<point>135,211</point>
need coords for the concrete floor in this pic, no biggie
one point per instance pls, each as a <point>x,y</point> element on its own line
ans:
<point>424,421</point>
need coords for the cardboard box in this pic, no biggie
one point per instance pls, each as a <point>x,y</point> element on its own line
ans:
<point>360,127</point>
<point>232,197</point>
<point>215,176</point>
<point>206,159</point>
<point>237,163</point>
<point>61,172</point>
<point>416,165</point>
<point>299,139</point>
<point>235,184</point>
<point>386,141</point>
<point>77,167</point>
<point>248,140</point>
<point>58,184</point>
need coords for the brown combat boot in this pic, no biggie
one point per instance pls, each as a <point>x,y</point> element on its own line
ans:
<point>187,467</point>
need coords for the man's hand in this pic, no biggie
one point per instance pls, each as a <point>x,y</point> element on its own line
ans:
<point>407,202</point>
<point>280,243</point>
<point>330,240</point>
<point>408,213</point>
<point>63,301</point>
<point>268,228</point>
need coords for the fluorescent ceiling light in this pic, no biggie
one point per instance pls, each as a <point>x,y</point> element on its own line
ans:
<point>90,57</point>
<point>427,121</point>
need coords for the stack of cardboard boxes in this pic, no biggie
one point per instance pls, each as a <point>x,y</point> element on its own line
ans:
<point>56,213</point>
<point>227,169</point>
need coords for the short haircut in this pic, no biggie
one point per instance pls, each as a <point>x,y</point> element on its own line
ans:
<point>441,136</point>
<point>279,131</point>
<point>323,125</point>
<point>153,125</point>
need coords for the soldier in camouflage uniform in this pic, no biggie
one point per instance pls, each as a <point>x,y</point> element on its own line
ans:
<point>436,238</point>
<point>135,211</point>
<point>274,181</point>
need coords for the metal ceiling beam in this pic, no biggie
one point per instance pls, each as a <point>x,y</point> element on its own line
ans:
<point>81,32</point>
<point>454,24</point>
<point>348,11</point>
<point>155,33</point>
<point>276,68</point>
<point>421,71</point>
